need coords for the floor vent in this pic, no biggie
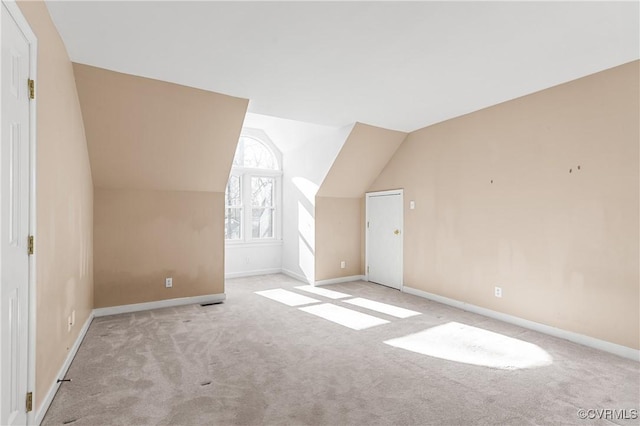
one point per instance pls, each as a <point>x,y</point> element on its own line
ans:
<point>210,304</point>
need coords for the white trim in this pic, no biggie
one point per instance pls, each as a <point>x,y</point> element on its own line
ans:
<point>245,174</point>
<point>46,402</point>
<point>398,191</point>
<point>239,170</point>
<point>592,342</point>
<point>366,231</point>
<point>252,273</point>
<point>167,303</point>
<point>24,26</point>
<point>296,276</point>
<point>246,208</point>
<point>261,136</point>
<point>340,280</point>
<point>231,244</point>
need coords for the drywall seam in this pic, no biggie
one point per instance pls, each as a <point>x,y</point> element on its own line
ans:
<point>581,339</point>
<point>340,280</point>
<point>136,307</point>
<point>46,402</point>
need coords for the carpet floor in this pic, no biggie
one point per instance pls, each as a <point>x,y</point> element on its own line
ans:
<point>257,360</point>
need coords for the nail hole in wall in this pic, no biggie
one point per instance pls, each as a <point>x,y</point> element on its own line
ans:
<point>570,170</point>
<point>578,167</point>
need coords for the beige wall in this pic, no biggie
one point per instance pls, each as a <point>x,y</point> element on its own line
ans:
<point>142,237</point>
<point>563,246</point>
<point>338,237</point>
<point>339,210</point>
<point>160,156</point>
<point>150,134</point>
<point>363,155</point>
<point>64,191</point>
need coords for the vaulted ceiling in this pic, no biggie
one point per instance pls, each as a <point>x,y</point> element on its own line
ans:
<point>397,65</point>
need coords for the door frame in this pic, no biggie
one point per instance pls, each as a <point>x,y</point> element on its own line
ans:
<point>24,26</point>
<point>368,195</point>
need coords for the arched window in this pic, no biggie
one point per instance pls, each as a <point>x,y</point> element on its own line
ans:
<point>254,153</point>
<point>252,198</point>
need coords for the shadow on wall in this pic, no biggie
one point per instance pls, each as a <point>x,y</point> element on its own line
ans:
<point>306,226</point>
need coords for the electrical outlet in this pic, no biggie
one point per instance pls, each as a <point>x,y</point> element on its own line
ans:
<point>343,264</point>
<point>168,282</point>
<point>498,291</point>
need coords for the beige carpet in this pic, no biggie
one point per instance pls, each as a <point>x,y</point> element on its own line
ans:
<point>254,360</point>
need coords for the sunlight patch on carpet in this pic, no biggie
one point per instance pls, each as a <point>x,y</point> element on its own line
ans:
<point>287,297</point>
<point>384,308</point>
<point>331,294</point>
<point>343,316</point>
<point>471,345</point>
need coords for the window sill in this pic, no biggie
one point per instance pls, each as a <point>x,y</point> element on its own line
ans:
<point>250,244</point>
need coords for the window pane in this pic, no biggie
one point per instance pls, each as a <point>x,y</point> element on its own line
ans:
<point>262,224</point>
<point>255,154</point>
<point>232,223</point>
<point>233,195</point>
<point>262,191</point>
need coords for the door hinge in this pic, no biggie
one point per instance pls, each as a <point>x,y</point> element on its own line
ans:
<point>30,245</point>
<point>29,402</point>
<point>32,89</point>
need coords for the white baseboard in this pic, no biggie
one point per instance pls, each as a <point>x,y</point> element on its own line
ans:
<point>339,280</point>
<point>296,276</point>
<point>252,273</point>
<point>48,398</point>
<point>136,307</point>
<point>581,339</point>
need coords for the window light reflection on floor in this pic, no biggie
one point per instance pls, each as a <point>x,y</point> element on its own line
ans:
<point>343,316</point>
<point>384,308</point>
<point>471,345</point>
<point>331,294</point>
<point>287,297</point>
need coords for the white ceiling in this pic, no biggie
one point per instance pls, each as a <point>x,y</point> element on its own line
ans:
<point>398,65</point>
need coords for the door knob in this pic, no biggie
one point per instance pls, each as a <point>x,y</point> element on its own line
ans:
<point>397,231</point>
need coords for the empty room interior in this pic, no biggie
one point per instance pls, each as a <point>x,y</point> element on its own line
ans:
<point>319,213</point>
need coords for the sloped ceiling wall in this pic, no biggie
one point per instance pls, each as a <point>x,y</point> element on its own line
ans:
<point>152,135</point>
<point>339,200</point>
<point>362,157</point>
<point>160,157</point>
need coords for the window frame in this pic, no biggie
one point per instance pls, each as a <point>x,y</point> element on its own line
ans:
<point>240,207</point>
<point>245,174</point>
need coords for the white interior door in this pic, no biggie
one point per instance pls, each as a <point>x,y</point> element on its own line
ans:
<point>14,220</point>
<point>384,238</point>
